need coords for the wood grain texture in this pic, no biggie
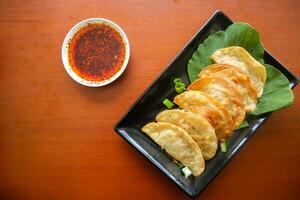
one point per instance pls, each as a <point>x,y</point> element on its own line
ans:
<point>56,137</point>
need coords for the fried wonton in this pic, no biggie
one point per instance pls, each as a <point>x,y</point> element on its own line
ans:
<point>210,108</point>
<point>226,93</point>
<point>197,126</point>
<point>241,81</point>
<point>178,143</point>
<point>239,57</point>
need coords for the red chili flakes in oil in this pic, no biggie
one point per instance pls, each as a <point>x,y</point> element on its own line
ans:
<point>96,52</point>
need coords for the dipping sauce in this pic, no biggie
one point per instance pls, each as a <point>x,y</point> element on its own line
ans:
<point>96,52</point>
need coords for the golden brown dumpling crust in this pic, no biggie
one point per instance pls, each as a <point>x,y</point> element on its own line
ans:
<point>210,108</point>
<point>226,93</point>
<point>236,76</point>
<point>240,58</point>
<point>178,143</point>
<point>197,126</point>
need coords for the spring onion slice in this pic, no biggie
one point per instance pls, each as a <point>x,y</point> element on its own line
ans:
<point>223,146</point>
<point>177,80</point>
<point>179,89</point>
<point>179,85</point>
<point>186,171</point>
<point>169,104</point>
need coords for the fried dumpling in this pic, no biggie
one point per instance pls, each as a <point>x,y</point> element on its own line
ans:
<point>241,81</point>
<point>210,108</point>
<point>225,92</point>
<point>239,57</point>
<point>197,126</point>
<point>178,143</point>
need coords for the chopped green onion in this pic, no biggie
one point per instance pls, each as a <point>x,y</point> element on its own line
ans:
<point>179,89</point>
<point>169,104</point>
<point>177,80</point>
<point>223,146</point>
<point>186,171</point>
<point>179,85</point>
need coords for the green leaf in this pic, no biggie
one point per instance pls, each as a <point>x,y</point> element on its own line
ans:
<point>238,34</point>
<point>201,57</point>
<point>244,35</point>
<point>277,93</point>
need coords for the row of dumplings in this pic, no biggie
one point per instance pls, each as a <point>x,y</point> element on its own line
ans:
<point>212,107</point>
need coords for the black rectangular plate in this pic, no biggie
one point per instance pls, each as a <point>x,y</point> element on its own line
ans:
<point>150,104</point>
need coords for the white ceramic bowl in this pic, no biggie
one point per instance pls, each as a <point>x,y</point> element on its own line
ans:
<point>65,46</point>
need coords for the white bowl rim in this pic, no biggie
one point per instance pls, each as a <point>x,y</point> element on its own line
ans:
<point>65,46</point>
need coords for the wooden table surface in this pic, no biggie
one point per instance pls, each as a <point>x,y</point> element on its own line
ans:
<point>56,136</point>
